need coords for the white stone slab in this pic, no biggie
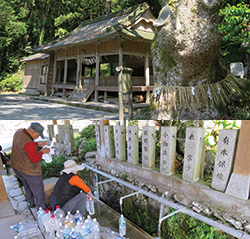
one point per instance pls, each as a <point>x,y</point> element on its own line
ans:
<point>120,142</point>
<point>133,144</point>
<point>168,148</point>
<point>109,141</point>
<point>238,186</point>
<point>98,138</point>
<point>194,144</point>
<point>224,158</point>
<point>237,69</point>
<point>148,146</point>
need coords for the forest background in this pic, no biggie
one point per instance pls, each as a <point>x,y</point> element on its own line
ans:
<point>25,24</point>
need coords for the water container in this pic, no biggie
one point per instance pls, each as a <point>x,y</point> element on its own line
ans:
<point>45,220</point>
<point>24,226</point>
<point>78,227</point>
<point>53,224</point>
<point>66,231</point>
<point>84,232</point>
<point>40,214</point>
<point>74,234</point>
<point>61,220</point>
<point>89,224</point>
<point>122,225</point>
<point>58,212</point>
<point>91,206</point>
<point>59,232</point>
<point>96,230</point>
<point>78,216</point>
<point>69,219</point>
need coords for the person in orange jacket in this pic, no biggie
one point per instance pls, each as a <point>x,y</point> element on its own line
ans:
<point>67,191</point>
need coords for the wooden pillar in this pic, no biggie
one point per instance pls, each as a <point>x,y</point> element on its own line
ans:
<point>78,69</point>
<point>97,71</point>
<point>105,95</point>
<point>66,121</point>
<point>147,76</point>
<point>65,73</point>
<point>120,93</point>
<point>54,75</point>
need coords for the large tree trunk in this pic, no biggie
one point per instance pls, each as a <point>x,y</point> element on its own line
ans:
<point>185,56</point>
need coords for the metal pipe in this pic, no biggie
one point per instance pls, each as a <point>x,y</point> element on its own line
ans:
<point>183,209</point>
<point>163,218</point>
<point>129,195</point>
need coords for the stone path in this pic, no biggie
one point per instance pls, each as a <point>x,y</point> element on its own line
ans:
<point>20,207</point>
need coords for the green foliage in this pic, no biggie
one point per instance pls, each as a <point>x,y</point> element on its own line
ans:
<point>235,22</point>
<point>11,82</point>
<point>180,226</point>
<point>54,168</point>
<point>88,136</point>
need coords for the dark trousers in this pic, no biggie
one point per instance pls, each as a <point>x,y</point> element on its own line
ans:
<point>34,188</point>
<point>78,202</point>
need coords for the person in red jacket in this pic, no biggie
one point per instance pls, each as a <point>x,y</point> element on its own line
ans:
<point>25,160</point>
<point>67,191</point>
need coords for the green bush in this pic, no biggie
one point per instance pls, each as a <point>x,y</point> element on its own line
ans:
<point>54,168</point>
<point>87,135</point>
<point>11,83</point>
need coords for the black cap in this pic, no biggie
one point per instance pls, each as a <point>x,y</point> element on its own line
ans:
<point>38,128</point>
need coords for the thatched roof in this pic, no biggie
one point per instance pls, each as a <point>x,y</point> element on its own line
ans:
<point>38,56</point>
<point>103,28</point>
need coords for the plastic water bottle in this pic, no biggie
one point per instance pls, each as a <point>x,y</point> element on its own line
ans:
<point>58,212</point>
<point>74,235</point>
<point>78,216</point>
<point>24,226</point>
<point>61,220</point>
<point>89,224</point>
<point>59,232</point>
<point>53,224</point>
<point>40,214</point>
<point>78,227</point>
<point>90,206</point>
<point>96,230</point>
<point>66,231</point>
<point>84,232</point>
<point>45,220</point>
<point>122,225</point>
<point>69,219</point>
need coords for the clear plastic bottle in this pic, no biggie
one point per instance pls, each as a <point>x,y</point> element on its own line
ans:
<point>58,212</point>
<point>78,227</point>
<point>90,206</point>
<point>78,216</point>
<point>122,225</point>
<point>61,219</point>
<point>96,230</point>
<point>69,219</point>
<point>24,226</point>
<point>59,232</point>
<point>66,231</point>
<point>74,234</point>
<point>40,214</point>
<point>89,224</point>
<point>45,220</point>
<point>53,224</point>
<point>84,232</point>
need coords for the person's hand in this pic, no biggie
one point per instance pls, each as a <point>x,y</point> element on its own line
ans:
<point>42,144</point>
<point>89,196</point>
<point>45,150</point>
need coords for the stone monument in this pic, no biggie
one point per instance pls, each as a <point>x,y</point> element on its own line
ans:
<point>224,158</point>
<point>193,156</point>
<point>132,144</point>
<point>168,148</point>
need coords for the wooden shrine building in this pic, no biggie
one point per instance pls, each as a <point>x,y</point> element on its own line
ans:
<point>83,63</point>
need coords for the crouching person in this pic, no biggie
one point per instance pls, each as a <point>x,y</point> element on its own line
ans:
<point>66,192</point>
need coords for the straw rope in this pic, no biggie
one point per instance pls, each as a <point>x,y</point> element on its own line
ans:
<point>205,95</point>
